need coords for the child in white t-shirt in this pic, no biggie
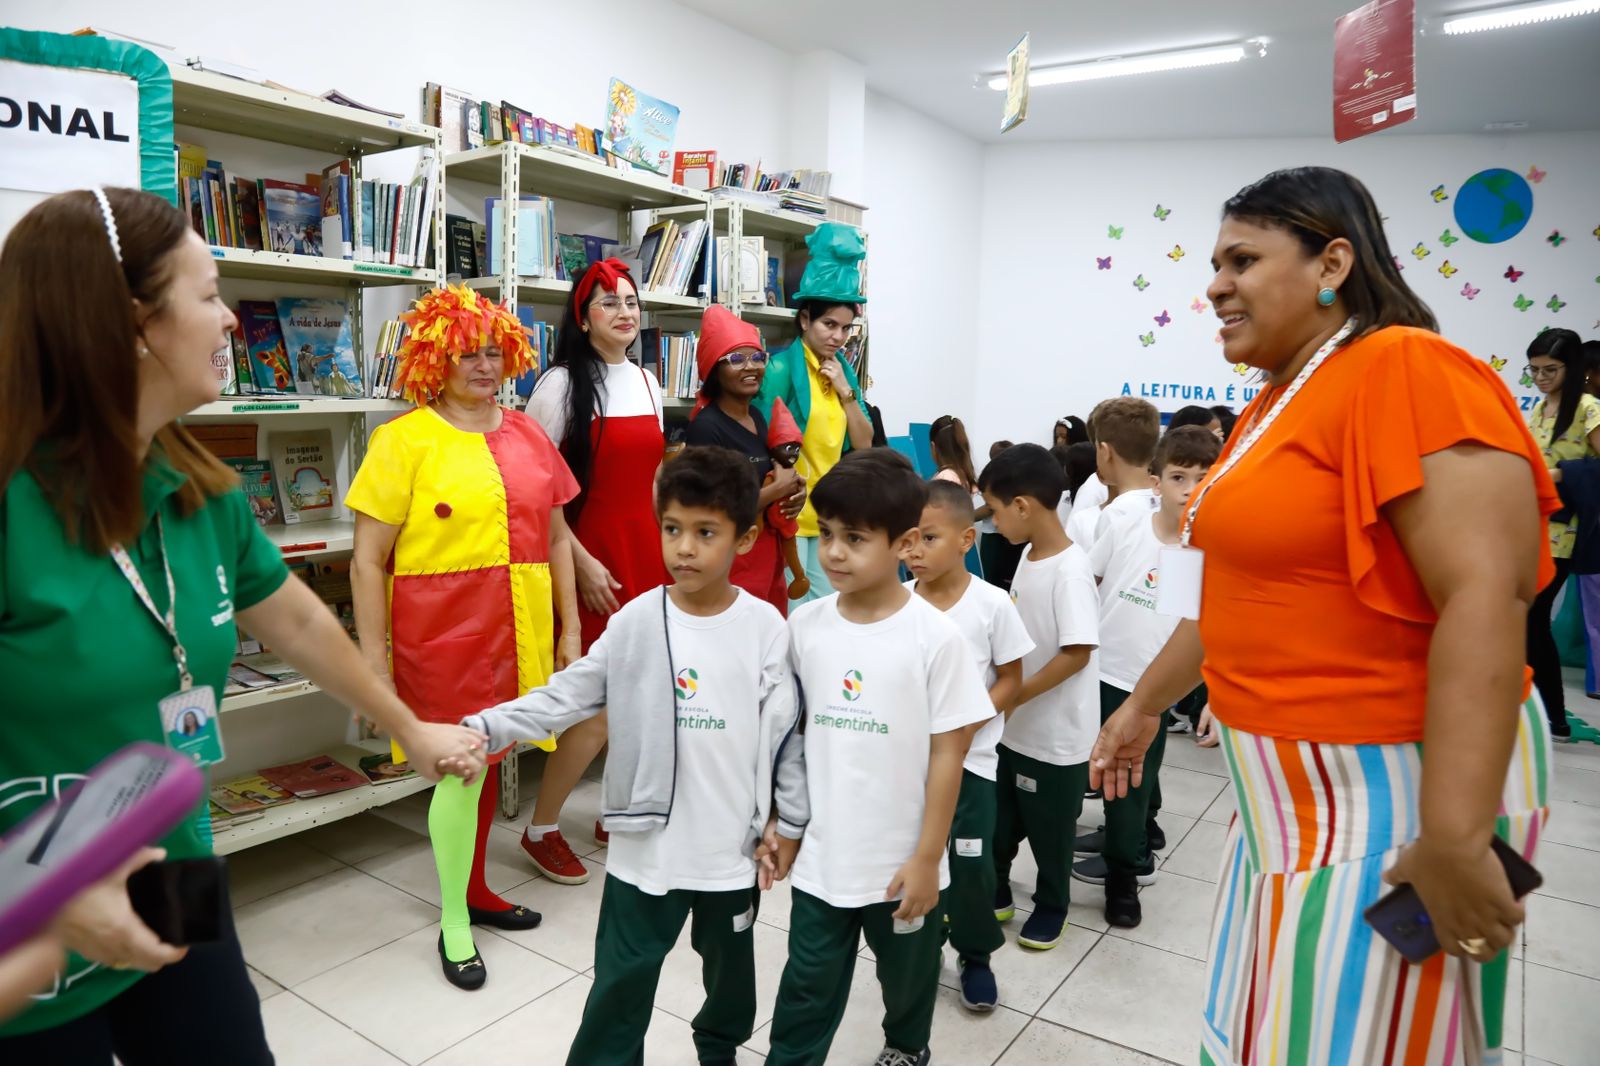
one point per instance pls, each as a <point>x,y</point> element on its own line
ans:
<point>1044,750</point>
<point>997,641</point>
<point>1125,431</point>
<point>888,690</point>
<point>1125,559</point>
<point>690,788</point>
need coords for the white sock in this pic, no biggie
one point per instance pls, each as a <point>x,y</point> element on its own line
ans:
<point>536,832</point>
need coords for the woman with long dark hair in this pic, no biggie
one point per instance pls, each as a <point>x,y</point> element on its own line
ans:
<point>1567,429</point>
<point>952,455</point>
<point>1371,540</point>
<point>604,412</point>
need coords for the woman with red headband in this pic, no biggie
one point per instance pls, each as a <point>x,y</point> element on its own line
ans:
<point>605,413</point>
<point>459,520</point>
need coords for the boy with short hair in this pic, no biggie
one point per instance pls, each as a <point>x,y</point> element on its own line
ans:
<point>888,690</point>
<point>1126,430</point>
<point>689,788</point>
<point>1044,749</point>
<point>997,641</point>
<point>1125,560</point>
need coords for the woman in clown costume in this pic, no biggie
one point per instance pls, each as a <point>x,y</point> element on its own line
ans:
<point>458,509</point>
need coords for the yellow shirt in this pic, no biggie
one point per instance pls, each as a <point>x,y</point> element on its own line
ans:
<point>1574,444</point>
<point>823,441</point>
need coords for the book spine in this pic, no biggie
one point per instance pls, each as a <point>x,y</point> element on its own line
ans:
<point>394,222</point>
<point>346,217</point>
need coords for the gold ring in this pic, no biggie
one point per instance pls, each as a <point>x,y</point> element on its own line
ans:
<point>1474,947</point>
<point>120,966</point>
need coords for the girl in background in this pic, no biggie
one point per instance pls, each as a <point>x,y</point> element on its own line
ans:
<point>952,456</point>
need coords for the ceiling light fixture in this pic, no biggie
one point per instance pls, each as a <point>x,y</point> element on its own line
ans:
<point>1121,66</point>
<point>1500,18</point>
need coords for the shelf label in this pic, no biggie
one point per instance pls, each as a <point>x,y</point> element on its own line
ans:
<point>218,253</point>
<point>382,268</point>
<point>241,408</point>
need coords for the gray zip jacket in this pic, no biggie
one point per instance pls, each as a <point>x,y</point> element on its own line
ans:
<point>630,670</point>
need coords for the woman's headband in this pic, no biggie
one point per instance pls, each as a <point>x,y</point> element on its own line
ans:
<point>110,221</point>
<point>605,271</point>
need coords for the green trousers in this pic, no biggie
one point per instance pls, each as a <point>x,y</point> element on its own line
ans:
<point>636,932</point>
<point>823,941</point>
<point>1127,845</point>
<point>969,901</point>
<point>1038,802</point>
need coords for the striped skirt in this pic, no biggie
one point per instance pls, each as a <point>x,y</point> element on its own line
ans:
<point>1295,975</point>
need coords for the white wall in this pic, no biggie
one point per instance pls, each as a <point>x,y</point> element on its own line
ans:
<point>1057,334</point>
<point>922,287</point>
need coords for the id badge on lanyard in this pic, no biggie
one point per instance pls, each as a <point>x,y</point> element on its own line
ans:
<point>1182,572</point>
<point>189,715</point>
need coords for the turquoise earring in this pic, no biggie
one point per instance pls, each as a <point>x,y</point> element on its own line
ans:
<point>1326,296</point>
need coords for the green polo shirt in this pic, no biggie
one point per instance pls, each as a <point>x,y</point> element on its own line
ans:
<point>84,665</point>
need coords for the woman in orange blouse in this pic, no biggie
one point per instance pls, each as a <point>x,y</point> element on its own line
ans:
<point>1372,539</point>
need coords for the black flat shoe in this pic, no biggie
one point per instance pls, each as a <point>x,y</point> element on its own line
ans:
<point>467,976</point>
<point>511,918</point>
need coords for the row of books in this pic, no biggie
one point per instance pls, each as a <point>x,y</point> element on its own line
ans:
<point>671,357</point>
<point>468,123</point>
<point>248,798</point>
<point>295,483</point>
<point>316,330</point>
<point>668,255</point>
<point>701,170</point>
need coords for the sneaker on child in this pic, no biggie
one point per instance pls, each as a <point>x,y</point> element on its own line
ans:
<point>979,992</point>
<point>1090,843</point>
<point>1093,870</point>
<point>1004,908</point>
<point>554,858</point>
<point>891,1056</point>
<point>1042,930</point>
<point>1122,901</point>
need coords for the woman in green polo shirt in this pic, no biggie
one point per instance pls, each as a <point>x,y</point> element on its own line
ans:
<point>127,553</point>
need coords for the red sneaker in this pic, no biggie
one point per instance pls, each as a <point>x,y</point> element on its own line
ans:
<point>553,858</point>
<point>600,834</point>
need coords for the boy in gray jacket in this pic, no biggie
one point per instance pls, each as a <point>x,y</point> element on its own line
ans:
<point>698,784</point>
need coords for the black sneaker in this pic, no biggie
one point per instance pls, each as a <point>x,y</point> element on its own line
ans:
<point>1154,836</point>
<point>979,993</point>
<point>1092,871</point>
<point>1090,843</point>
<point>1122,901</point>
<point>1042,930</point>
<point>893,1056</point>
<point>1004,908</point>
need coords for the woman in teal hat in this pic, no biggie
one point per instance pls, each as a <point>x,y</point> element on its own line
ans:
<point>821,390</point>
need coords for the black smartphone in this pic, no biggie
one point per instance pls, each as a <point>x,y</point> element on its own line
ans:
<point>1400,918</point>
<point>182,900</point>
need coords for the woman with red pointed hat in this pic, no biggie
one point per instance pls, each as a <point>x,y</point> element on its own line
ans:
<point>733,362</point>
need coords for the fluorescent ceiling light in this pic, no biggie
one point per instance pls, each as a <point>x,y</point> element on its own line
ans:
<point>1499,18</point>
<point>1121,66</point>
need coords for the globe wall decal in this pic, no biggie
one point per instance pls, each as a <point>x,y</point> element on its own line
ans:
<point>1493,205</point>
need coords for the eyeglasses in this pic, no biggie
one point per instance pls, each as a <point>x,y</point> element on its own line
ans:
<point>737,359</point>
<point>611,305</point>
<point>1542,371</point>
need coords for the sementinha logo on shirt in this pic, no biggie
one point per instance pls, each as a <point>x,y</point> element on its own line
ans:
<point>851,717</point>
<point>1135,595</point>
<point>852,685</point>
<point>687,687</point>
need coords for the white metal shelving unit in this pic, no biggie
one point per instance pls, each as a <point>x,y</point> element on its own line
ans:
<point>228,105</point>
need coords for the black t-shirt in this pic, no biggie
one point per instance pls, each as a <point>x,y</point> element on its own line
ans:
<point>713,426</point>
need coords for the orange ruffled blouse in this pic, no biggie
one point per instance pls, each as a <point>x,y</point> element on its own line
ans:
<point>1315,624</point>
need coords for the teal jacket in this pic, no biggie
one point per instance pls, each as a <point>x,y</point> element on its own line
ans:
<point>788,379</point>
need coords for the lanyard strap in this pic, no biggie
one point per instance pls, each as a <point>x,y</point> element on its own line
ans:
<point>1262,422</point>
<point>169,621</point>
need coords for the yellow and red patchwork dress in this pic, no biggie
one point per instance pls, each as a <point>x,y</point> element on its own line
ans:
<point>471,610</point>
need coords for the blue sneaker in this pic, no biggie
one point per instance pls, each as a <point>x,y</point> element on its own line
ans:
<point>1004,908</point>
<point>979,993</point>
<point>1042,930</point>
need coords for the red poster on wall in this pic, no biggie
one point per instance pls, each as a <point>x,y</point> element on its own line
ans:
<point>1374,68</point>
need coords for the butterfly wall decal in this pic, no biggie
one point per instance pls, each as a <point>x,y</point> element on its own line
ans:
<point>1447,269</point>
<point>1114,232</point>
<point>1177,253</point>
<point>1514,275</point>
<point>1140,284</point>
<point>1397,264</point>
<point>1526,380</point>
<point>1522,303</point>
<point>1421,251</point>
<point>1597,232</point>
<point>1105,263</point>
<point>1536,175</point>
<point>1447,238</point>
<point>1439,195</point>
<point>1497,361</point>
<point>1242,369</point>
<point>1555,238</point>
<point>1555,303</point>
<point>1163,319</point>
<point>1199,306</point>
<point>1161,213</point>
<point>1468,291</point>
<point>1147,339</point>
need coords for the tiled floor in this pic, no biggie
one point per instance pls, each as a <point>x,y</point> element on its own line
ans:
<point>339,927</point>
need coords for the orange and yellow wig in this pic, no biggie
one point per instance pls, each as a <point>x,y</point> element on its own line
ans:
<point>449,323</point>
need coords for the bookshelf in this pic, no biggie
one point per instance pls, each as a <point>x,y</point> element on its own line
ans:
<point>286,721</point>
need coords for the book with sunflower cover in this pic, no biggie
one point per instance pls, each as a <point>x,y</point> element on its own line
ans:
<point>641,128</point>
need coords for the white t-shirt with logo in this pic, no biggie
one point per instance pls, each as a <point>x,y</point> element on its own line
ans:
<point>995,636</point>
<point>723,664</point>
<point>1060,608</point>
<point>1132,634</point>
<point>873,695</point>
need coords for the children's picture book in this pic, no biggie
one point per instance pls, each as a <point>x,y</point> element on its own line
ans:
<point>263,339</point>
<point>574,256</point>
<point>320,775</point>
<point>255,477</point>
<point>316,334</point>
<point>774,281</point>
<point>640,127</point>
<point>302,461</point>
<point>294,217</point>
<point>249,201</point>
<point>381,769</point>
<point>254,793</point>
<point>338,222</point>
<point>694,170</point>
